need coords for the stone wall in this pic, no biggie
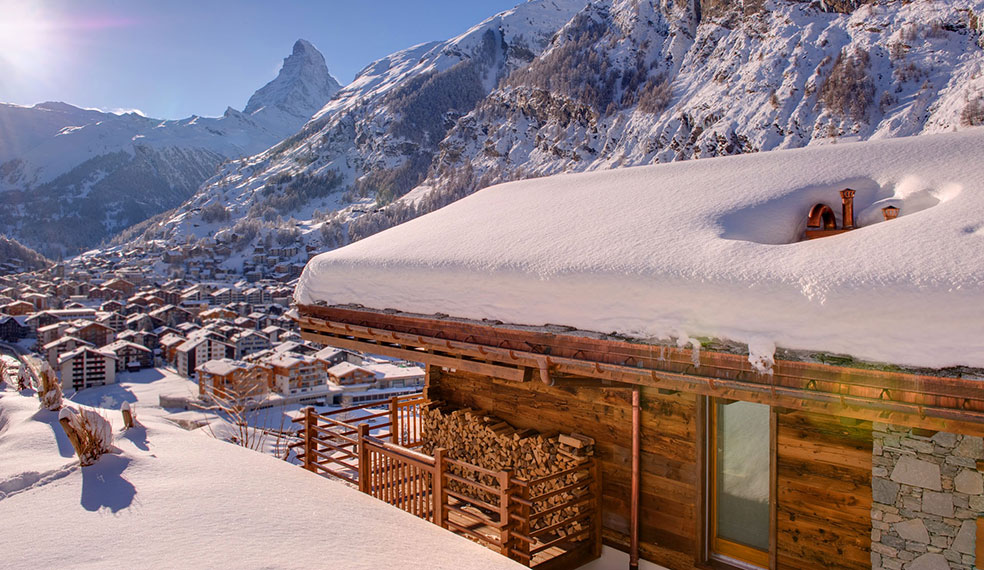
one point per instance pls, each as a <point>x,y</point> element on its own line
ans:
<point>927,494</point>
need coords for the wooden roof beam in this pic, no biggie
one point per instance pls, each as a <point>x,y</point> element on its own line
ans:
<point>519,365</point>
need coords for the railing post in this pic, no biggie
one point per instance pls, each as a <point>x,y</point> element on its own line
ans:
<point>596,520</point>
<point>524,547</point>
<point>394,421</point>
<point>438,492</point>
<point>365,474</point>
<point>309,420</point>
<point>505,536</point>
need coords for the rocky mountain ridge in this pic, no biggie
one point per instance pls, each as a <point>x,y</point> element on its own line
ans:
<point>615,83</point>
<point>75,176</point>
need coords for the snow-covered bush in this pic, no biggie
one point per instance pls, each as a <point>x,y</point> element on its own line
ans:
<point>49,389</point>
<point>93,433</point>
<point>238,401</point>
<point>23,379</point>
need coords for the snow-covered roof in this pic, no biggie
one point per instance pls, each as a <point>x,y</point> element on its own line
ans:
<point>707,248</point>
<point>191,343</point>
<point>82,349</point>
<point>389,371</point>
<point>222,367</point>
<point>327,353</point>
<point>68,339</point>
<point>19,319</point>
<point>345,368</point>
<point>171,339</point>
<point>289,360</point>
<point>121,344</point>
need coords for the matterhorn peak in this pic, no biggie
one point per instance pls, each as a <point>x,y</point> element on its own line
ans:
<point>301,88</point>
<point>304,47</point>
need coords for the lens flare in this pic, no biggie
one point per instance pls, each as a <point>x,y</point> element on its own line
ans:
<point>26,40</point>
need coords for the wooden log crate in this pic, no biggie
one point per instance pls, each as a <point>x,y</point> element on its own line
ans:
<point>531,497</point>
<point>555,469</point>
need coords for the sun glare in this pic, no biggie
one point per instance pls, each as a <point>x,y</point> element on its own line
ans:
<point>26,41</point>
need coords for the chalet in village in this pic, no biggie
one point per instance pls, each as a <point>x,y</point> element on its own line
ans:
<point>653,360</point>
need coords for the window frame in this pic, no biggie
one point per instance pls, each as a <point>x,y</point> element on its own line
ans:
<point>714,552</point>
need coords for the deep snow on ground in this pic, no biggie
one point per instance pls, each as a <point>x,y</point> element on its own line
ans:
<point>707,248</point>
<point>143,388</point>
<point>169,498</point>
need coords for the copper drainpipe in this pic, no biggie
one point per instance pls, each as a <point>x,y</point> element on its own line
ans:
<point>847,202</point>
<point>634,524</point>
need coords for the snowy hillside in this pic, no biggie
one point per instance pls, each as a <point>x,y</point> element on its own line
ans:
<point>550,87</point>
<point>75,176</point>
<point>168,498</point>
<point>707,248</point>
<point>377,137</point>
<point>16,258</point>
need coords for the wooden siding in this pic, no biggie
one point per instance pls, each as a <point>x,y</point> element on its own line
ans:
<point>824,492</point>
<point>668,501</point>
<point>823,466</point>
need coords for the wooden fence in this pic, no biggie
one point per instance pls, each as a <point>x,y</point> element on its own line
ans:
<point>559,528</point>
<point>329,442</point>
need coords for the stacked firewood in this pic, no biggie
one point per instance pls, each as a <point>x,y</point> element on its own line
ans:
<point>491,443</point>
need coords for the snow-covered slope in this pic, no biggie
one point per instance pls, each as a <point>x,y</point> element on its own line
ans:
<point>707,248</point>
<point>74,176</point>
<point>377,137</point>
<point>17,258</point>
<point>614,83</point>
<point>175,499</point>
<point>301,88</point>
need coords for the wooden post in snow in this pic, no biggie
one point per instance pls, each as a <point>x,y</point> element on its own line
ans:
<point>127,415</point>
<point>66,424</point>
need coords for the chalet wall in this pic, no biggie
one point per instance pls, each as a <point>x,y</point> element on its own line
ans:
<point>824,492</point>
<point>928,493</point>
<point>823,476</point>
<point>668,501</point>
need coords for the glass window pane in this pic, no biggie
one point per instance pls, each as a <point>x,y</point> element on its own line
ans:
<point>742,477</point>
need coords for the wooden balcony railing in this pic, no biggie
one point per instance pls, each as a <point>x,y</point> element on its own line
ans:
<point>516,517</point>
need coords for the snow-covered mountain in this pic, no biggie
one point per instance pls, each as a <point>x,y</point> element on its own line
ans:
<point>379,134</point>
<point>16,258</point>
<point>554,86</point>
<point>75,176</point>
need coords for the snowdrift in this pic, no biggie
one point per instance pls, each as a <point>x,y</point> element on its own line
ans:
<point>167,498</point>
<point>707,248</point>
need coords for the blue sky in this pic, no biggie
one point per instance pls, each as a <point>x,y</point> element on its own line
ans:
<point>174,58</point>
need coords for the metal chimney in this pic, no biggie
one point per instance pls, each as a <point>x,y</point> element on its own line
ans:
<point>847,200</point>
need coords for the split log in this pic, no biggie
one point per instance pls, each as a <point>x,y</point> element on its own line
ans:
<point>491,443</point>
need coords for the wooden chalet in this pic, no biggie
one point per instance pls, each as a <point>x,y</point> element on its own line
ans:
<point>721,454</point>
<point>18,308</point>
<point>704,461</point>
<point>130,356</point>
<point>12,328</point>
<point>122,286</point>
